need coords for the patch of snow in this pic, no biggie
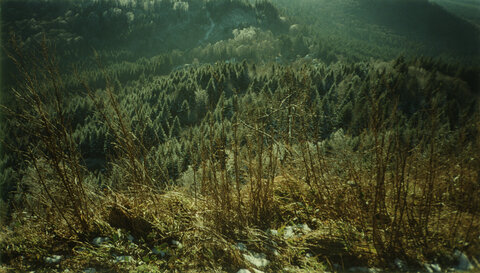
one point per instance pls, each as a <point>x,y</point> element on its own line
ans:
<point>291,269</point>
<point>100,240</point>
<point>288,232</point>
<point>53,259</point>
<point>177,244</point>
<point>241,247</point>
<point>430,268</point>
<point>257,259</point>
<point>401,265</point>
<point>273,232</point>
<point>305,228</point>
<point>274,251</point>
<point>463,261</point>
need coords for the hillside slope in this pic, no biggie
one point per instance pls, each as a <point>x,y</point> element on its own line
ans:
<point>386,29</point>
<point>467,9</point>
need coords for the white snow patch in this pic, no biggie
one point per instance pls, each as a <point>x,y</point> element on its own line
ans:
<point>431,268</point>
<point>305,228</point>
<point>288,232</point>
<point>257,259</point>
<point>100,240</point>
<point>463,261</point>
<point>401,265</point>
<point>53,259</point>
<point>241,247</point>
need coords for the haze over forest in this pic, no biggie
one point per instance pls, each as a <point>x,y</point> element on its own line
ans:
<point>240,135</point>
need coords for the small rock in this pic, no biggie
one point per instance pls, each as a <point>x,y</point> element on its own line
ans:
<point>463,261</point>
<point>89,270</point>
<point>53,259</point>
<point>288,232</point>
<point>241,247</point>
<point>100,240</point>
<point>257,259</point>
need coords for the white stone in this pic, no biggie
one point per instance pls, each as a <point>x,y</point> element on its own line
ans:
<point>257,259</point>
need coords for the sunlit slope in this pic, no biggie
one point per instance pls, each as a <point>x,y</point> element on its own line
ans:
<point>387,28</point>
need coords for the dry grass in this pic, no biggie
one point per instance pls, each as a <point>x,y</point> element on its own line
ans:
<point>368,199</point>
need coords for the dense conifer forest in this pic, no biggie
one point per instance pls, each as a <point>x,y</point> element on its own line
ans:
<point>240,136</point>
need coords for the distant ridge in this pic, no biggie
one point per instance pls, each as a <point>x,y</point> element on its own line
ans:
<point>425,21</point>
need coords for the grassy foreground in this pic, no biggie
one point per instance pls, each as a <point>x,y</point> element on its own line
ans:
<point>262,189</point>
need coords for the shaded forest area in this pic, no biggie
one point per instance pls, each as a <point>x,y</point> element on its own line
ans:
<point>309,136</point>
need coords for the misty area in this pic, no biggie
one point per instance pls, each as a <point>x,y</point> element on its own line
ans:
<point>240,136</point>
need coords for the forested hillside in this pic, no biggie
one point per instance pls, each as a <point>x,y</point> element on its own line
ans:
<point>228,135</point>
